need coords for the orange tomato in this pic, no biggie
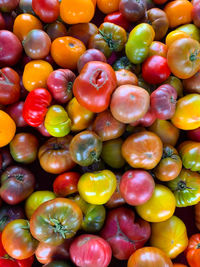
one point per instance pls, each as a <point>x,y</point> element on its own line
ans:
<point>77,11</point>
<point>108,6</point>
<point>35,74</point>
<point>178,12</point>
<point>24,23</point>
<point>66,51</point>
<point>175,35</point>
<point>7,129</point>
<point>157,48</point>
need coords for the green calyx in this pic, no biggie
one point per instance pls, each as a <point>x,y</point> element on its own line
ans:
<point>59,228</point>
<point>108,38</point>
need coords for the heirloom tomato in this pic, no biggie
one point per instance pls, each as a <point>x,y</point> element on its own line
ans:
<point>35,200</point>
<point>118,19</point>
<point>170,236</point>
<point>125,232</point>
<point>56,220</point>
<point>18,241</point>
<point>140,38</point>
<point>47,11</point>
<point>194,135</point>
<point>8,5</point>
<point>170,165</point>
<point>187,114</point>
<point>124,63</point>
<point>192,30</point>
<point>54,155</point>
<point>8,128</point>
<point>126,77</point>
<point>149,257</point>
<point>132,10</point>
<point>5,159</point>
<point>175,35</point>
<point>55,30</point>
<point>147,120</point>
<point>35,106</point>
<point>129,103</point>
<point>16,112</point>
<point>176,83</point>
<point>97,187</point>
<point>94,86</point>
<point>190,155</point>
<point>108,6</point>
<point>159,207</point>
<point>186,188</point>
<point>192,84</point>
<point>142,150</point>
<point>90,250</point>
<point>193,250</point>
<point>197,215</point>
<point>183,57</point>
<point>157,48</point>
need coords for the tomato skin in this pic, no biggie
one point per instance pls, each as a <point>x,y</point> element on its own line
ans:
<point>48,11</point>
<point>157,48</point>
<point>35,106</point>
<point>155,69</point>
<point>132,10</point>
<point>192,85</point>
<point>149,257</point>
<point>177,84</point>
<point>163,101</point>
<point>193,252</point>
<point>170,236</point>
<point>194,135</point>
<point>94,86</point>
<point>118,19</point>
<point>90,250</point>
<point>197,215</point>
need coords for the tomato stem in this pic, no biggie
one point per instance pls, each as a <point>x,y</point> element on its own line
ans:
<point>19,177</point>
<point>108,38</point>
<point>69,87</point>
<point>59,228</point>
<point>3,219</point>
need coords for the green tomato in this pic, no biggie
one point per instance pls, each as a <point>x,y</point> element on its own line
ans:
<point>35,200</point>
<point>140,38</point>
<point>191,30</point>
<point>190,155</point>
<point>57,122</point>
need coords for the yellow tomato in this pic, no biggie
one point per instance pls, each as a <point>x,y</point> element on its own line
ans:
<point>97,187</point>
<point>35,74</point>
<point>159,207</point>
<point>192,30</point>
<point>175,35</point>
<point>169,236</point>
<point>80,116</point>
<point>187,115</point>
<point>7,128</point>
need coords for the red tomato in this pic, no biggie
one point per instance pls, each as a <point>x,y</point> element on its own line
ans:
<point>193,251</point>
<point>66,184</point>
<point>94,86</point>
<point>155,69</point>
<point>90,250</point>
<point>35,106</point>
<point>118,19</point>
<point>47,11</point>
<point>147,120</point>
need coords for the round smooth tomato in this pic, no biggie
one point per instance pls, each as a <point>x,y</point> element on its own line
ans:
<point>132,10</point>
<point>118,19</point>
<point>90,250</point>
<point>159,207</point>
<point>194,135</point>
<point>192,85</point>
<point>47,11</point>
<point>55,30</point>
<point>16,112</point>
<point>55,221</point>
<point>18,241</point>
<point>158,48</point>
<point>8,128</point>
<point>126,77</point>
<point>193,250</point>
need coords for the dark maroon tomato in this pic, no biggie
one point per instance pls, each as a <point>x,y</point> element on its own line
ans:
<point>9,20</point>
<point>163,101</point>
<point>90,55</point>
<point>2,22</point>
<point>10,213</point>
<point>146,121</point>
<point>124,232</point>
<point>194,135</point>
<point>118,19</point>
<point>132,10</point>
<point>9,86</point>
<point>5,159</point>
<point>11,48</point>
<point>155,70</point>
<point>15,111</point>
<point>17,183</point>
<point>47,11</point>
<point>56,29</point>
<point>8,5</point>
<point>60,84</point>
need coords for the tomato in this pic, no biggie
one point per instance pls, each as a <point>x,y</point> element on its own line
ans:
<point>170,165</point>
<point>17,183</point>
<point>90,250</point>
<point>8,6</point>
<point>159,21</point>
<point>195,14</point>
<point>187,112</point>
<point>197,215</point>
<point>5,159</point>
<point>24,148</point>
<point>8,128</point>
<point>35,200</point>
<point>170,236</point>
<point>190,155</point>
<point>45,10</point>
<point>126,77</point>
<point>136,187</point>
<point>192,30</point>
<point>159,207</point>
<point>18,241</point>
<point>66,184</point>
<point>149,257</point>
<point>55,30</point>
<point>125,64</point>
<point>35,106</point>
<point>157,48</point>
<point>118,19</point>
<point>178,12</point>
<point>97,187</point>
<point>15,111</point>
<point>191,85</point>
<point>124,232</point>
<point>58,264</point>
<point>80,11</point>
<point>129,103</point>
<point>132,10</point>
<point>183,57</point>
<point>94,86</point>
<point>142,150</point>
<point>140,38</point>
<point>193,252</point>
<point>186,188</point>
<point>54,155</point>
<point>80,117</point>
<point>175,35</point>
<point>147,120</point>
<point>194,135</point>
<point>56,220</point>
<point>176,83</point>
<point>179,265</point>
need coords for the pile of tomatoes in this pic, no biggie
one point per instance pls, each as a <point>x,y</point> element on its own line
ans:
<point>99,132</point>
